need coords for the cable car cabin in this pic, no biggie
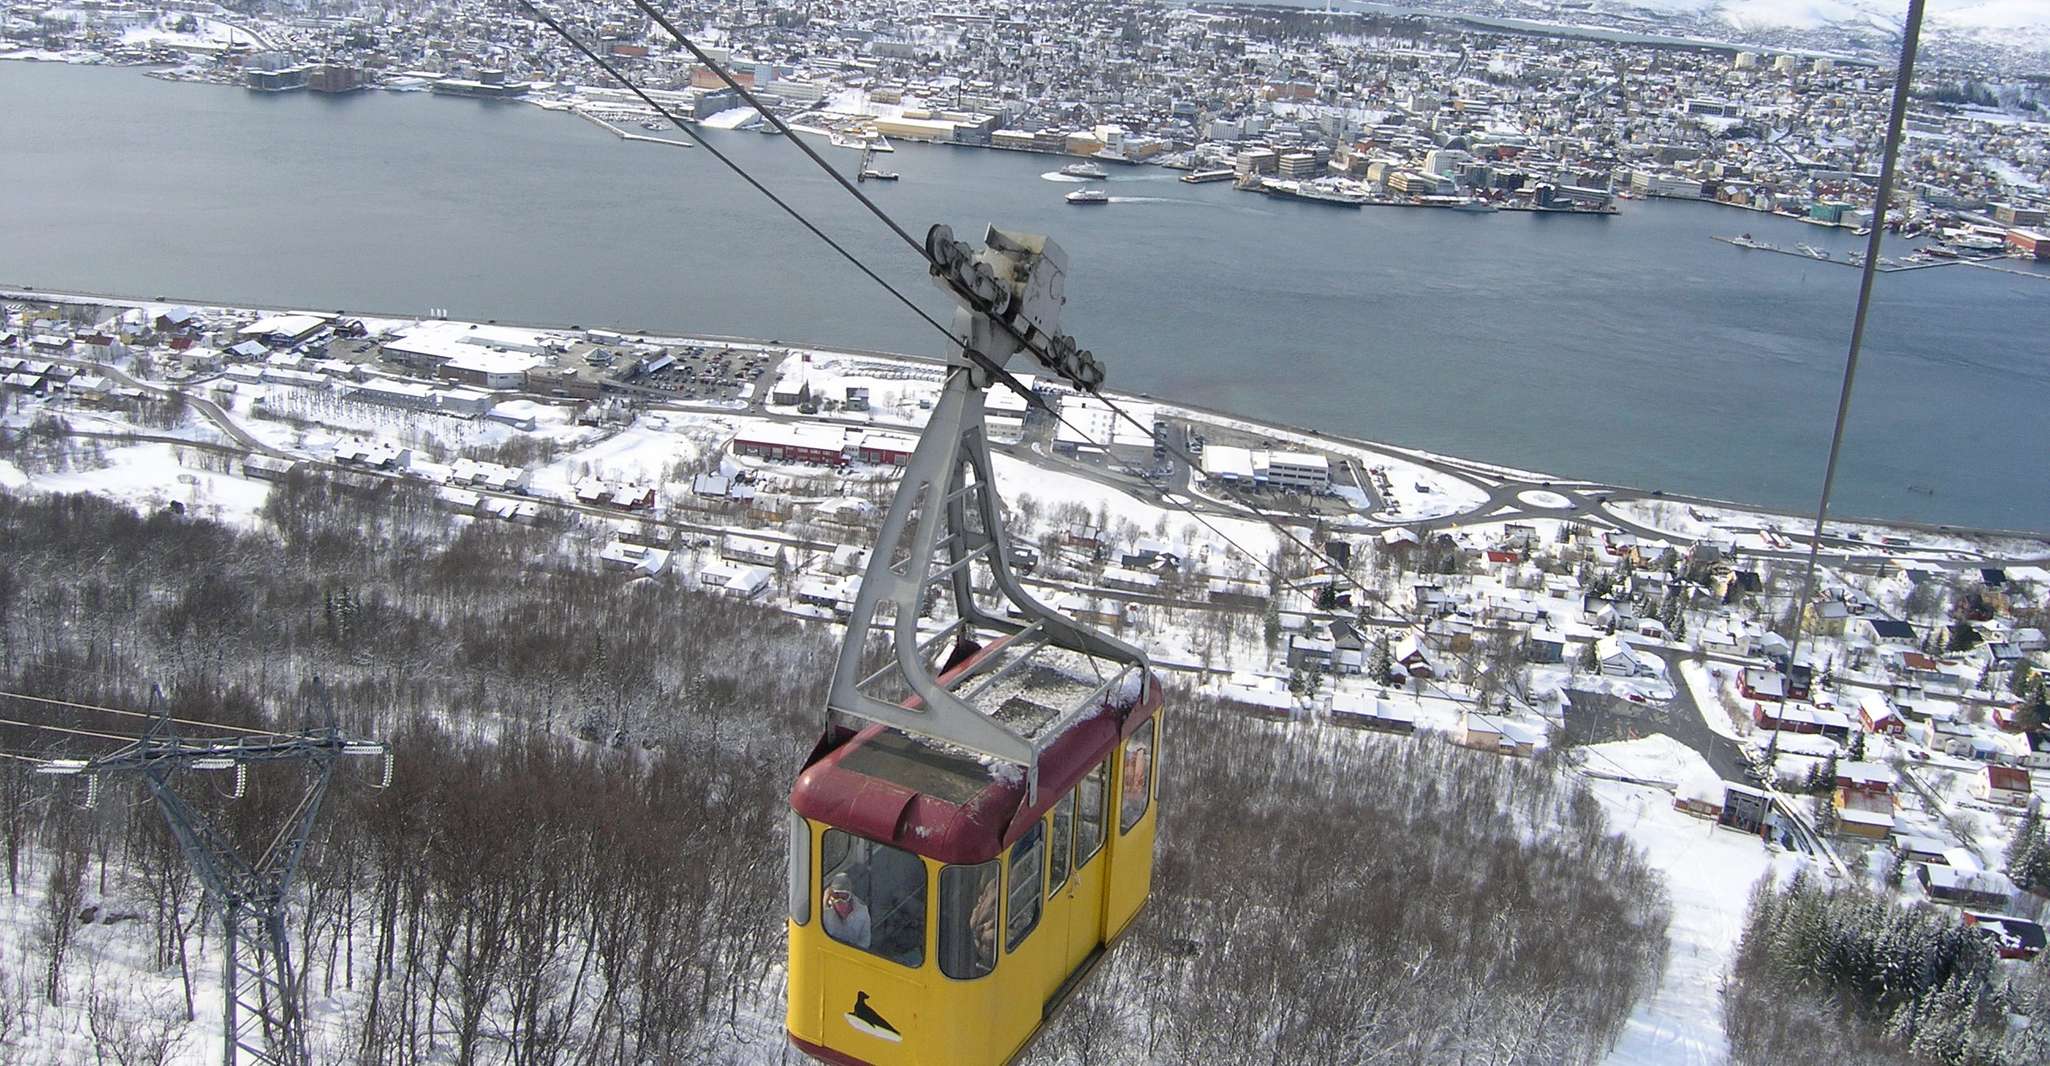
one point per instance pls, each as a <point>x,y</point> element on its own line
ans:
<point>960,858</point>
<point>938,916</point>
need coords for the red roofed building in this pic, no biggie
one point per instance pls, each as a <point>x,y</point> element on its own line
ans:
<point>2003,784</point>
<point>1878,716</point>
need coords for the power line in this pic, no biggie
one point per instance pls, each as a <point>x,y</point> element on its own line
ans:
<point>748,95</point>
<point>68,729</point>
<point>139,714</point>
<point>1079,367</point>
<point>1030,343</point>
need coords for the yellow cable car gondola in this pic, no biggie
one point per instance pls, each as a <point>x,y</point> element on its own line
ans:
<point>968,836</point>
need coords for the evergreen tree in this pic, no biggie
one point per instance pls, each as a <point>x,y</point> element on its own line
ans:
<point>1858,745</point>
<point>2028,857</point>
<point>1670,615</point>
<point>1380,663</point>
<point>1962,636</point>
<point>1900,1027</point>
<point>1938,1029</point>
<point>1825,779</point>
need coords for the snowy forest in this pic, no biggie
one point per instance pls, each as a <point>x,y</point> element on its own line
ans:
<point>1849,975</point>
<point>579,858</point>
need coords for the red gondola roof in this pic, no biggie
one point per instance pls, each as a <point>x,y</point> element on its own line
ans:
<point>946,804</point>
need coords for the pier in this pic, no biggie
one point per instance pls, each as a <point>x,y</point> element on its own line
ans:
<point>1885,267</point>
<point>626,135</point>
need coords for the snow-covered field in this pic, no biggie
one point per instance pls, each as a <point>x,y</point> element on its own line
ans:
<point>1703,686</point>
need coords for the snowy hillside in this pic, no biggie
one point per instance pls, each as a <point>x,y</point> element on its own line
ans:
<point>2017,21</point>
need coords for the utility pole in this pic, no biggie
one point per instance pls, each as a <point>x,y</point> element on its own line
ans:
<point>262,998</point>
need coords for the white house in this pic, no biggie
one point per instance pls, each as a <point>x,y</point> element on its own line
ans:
<point>619,555</point>
<point>1619,659</point>
<point>741,582</point>
<point>751,550</point>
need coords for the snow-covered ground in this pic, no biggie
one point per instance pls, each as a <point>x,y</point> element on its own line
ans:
<point>1750,530</point>
<point>1417,491</point>
<point>1239,538</point>
<point>203,33</point>
<point>2009,20</point>
<point>1709,873</point>
<point>1703,685</point>
<point>311,421</point>
<point>150,477</point>
<point>644,452</point>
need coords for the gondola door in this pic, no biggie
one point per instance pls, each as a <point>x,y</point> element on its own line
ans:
<point>1090,862</point>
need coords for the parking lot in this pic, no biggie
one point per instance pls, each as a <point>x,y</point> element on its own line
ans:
<point>688,372</point>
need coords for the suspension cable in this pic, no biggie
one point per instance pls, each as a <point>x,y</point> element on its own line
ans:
<point>1867,271</point>
<point>1025,340</point>
<point>995,371</point>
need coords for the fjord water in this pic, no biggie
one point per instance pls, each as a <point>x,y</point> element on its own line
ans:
<point>1631,349</point>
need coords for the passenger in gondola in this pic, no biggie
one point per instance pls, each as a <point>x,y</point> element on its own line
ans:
<point>983,920</point>
<point>1135,780</point>
<point>846,915</point>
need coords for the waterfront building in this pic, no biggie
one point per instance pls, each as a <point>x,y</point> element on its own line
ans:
<point>1677,186</point>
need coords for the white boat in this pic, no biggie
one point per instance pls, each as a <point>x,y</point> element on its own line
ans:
<point>1473,205</point>
<point>1088,196</point>
<point>1085,170</point>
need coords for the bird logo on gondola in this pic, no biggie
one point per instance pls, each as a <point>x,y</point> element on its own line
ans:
<point>865,1018</point>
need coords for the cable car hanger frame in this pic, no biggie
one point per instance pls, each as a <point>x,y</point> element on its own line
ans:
<point>945,518</point>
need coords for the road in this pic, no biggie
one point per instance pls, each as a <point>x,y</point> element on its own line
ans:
<point>1688,721</point>
<point>211,410</point>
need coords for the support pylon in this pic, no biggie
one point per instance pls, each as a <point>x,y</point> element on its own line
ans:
<point>263,1004</point>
